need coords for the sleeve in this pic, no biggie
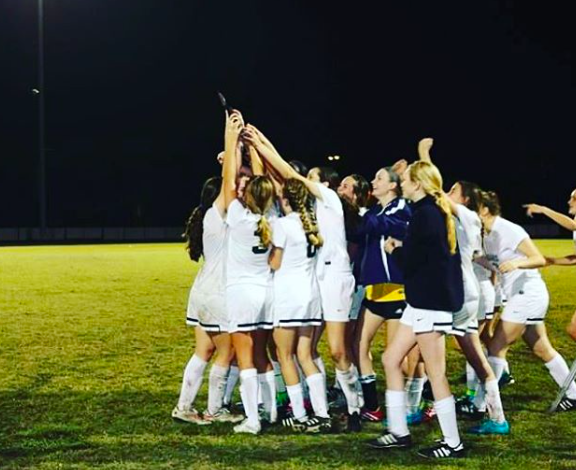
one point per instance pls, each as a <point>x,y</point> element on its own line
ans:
<point>235,213</point>
<point>472,226</point>
<point>279,235</point>
<point>387,224</point>
<point>516,235</point>
<point>421,235</point>
<point>330,199</point>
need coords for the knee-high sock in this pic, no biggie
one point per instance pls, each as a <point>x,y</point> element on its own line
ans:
<point>280,384</point>
<point>446,412</point>
<point>494,402</point>
<point>302,378</point>
<point>471,379</point>
<point>217,388</point>
<point>233,376</point>
<point>396,413</point>
<point>347,380</point>
<point>498,365</point>
<point>267,383</point>
<point>297,400</point>
<point>317,387</point>
<point>249,393</point>
<point>559,371</point>
<point>368,383</point>
<point>321,367</point>
<point>191,381</point>
<point>414,388</point>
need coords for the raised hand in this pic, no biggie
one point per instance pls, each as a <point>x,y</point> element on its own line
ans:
<point>424,147</point>
<point>400,167</point>
<point>234,126</point>
<point>532,209</point>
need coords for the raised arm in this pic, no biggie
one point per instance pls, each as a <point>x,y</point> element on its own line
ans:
<point>424,147</point>
<point>560,219</point>
<point>229,166</point>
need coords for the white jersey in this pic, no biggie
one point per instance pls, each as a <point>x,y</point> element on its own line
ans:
<point>247,259</point>
<point>574,238</point>
<point>469,235</point>
<point>333,255</point>
<point>501,245</point>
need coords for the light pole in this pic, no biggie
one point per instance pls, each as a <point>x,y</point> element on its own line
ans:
<point>41,132</point>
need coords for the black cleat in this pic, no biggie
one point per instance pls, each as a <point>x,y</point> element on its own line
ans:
<point>390,441</point>
<point>468,410</point>
<point>354,424</point>
<point>442,451</point>
<point>567,404</point>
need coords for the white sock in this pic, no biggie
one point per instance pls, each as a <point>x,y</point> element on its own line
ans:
<point>280,384</point>
<point>471,377</point>
<point>297,400</point>
<point>249,393</point>
<point>358,386</point>
<point>494,402</point>
<point>498,365</point>
<point>267,383</point>
<point>217,388</point>
<point>480,397</point>
<point>302,378</point>
<point>191,382</point>
<point>446,412</point>
<point>348,381</point>
<point>414,388</point>
<point>559,371</point>
<point>396,413</point>
<point>233,376</point>
<point>321,367</point>
<point>506,366</point>
<point>317,387</point>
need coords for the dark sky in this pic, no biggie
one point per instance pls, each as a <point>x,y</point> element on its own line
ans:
<point>134,125</point>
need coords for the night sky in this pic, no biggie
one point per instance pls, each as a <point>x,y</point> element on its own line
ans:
<point>134,124</point>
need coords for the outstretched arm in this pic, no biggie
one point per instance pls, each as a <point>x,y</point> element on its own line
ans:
<point>560,219</point>
<point>229,166</point>
<point>569,260</point>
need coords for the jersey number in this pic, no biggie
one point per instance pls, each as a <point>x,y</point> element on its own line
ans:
<point>310,250</point>
<point>259,249</point>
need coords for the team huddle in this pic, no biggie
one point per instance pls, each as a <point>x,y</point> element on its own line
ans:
<point>290,254</point>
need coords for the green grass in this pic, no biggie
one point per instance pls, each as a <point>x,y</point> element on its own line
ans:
<point>92,348</point>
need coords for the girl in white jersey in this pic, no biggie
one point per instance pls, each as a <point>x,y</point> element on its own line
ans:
<point>297,306</point>
<point>206,236</point>
<point>509,247</point>
<point>332,270</point>
<point>249,283</point>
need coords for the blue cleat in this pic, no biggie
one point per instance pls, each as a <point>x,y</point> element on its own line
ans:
<point>489,426</point>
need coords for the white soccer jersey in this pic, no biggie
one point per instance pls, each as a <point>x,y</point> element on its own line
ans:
<point>296,293</point>
<point>247,259</point>
<point>334,253</point>
<point>469,235</point>
<point>501,245</point>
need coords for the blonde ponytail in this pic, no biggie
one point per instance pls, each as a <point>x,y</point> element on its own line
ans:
<point>299,199</point>
<point>264,231</point>
<point>259,197</point>
<point>444,206</point>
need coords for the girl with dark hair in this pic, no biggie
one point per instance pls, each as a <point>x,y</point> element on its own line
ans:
<point>297,306</point>
<point>206,236</point>
<point>249,282</point>
<point>509,248</point>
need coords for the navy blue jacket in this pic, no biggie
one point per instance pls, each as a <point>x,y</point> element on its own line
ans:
<point>376,266</point>
<point>432,276</point>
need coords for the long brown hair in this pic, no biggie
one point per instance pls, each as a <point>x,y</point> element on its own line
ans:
<point>300,200</point>
<point>259,197</point>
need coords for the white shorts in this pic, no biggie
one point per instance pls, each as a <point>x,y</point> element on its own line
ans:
<point>425,321</point>
<point>296,303</point>
<point>487,300</point>
<point>336,291</point>
<point>207,310</point>
<point>528,305</point>
<point>465,321</point>
<point>357,299</point>
<point>249,307</point>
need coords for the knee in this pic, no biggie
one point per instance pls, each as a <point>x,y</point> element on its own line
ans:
<point>338,353</point>
<point>391,362</point>
<point>205,352</point>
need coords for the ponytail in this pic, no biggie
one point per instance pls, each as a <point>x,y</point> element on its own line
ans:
<point>299,199</point>
<point>264,231</point>
<point>444,205</point>
<point>193,232</point>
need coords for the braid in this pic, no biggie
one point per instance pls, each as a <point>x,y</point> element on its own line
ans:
<point>193,233</point>
<point>444,206</point>
<point>264,231</point>
<point>300,200</point>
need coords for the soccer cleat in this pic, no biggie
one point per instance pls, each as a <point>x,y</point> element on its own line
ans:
<point>246,428</point>
<point>317,425</point>
<point>391,441</point>
<point>354,424</point>
<point>297,425</point>
<point>223,415</point>
<point>489,426</point>
<point>336,398</point>
<point>506,379</point>
<point>190,416</point>
<point>566,404</point>
<point>468,410</point>
<point>442,451</point>
<point>373,416</point>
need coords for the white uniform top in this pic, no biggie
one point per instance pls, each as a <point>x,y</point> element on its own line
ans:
<point>469,235</point>
<point>334,253</point>
<point>211,276</point>
<point>501,245</point>
<point>247,259</point>
<point>574,238</point>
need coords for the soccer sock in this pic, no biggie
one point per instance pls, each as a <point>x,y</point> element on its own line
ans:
<point>506,367</point>
<point>368,383</point>
<point>297,401</point>
<point>267,383</point>
<point>446,412</point>
<point>217,388</point>
<point>358,386</point>
<point>396,413</point>
<point>494,402</point>
<point>498,365</point>
<point>317,387</point>
<point>191,382</point>
<point>414,388</point>
<point>559,371</point>
<point>321,367</point>
<point>280,384</point>
<point>231,383</point>
<point>347,380</point>
<point>471,380</point>
<point>302,378</point>
<point>480,397</point>
<point>249,392</point>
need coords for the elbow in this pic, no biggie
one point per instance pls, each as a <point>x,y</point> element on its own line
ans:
<point>539,261</point>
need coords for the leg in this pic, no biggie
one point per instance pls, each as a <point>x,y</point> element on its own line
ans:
<point>244,346</point>
<point>370,326</point>
<point>266,378</point>
<point>314,378</point>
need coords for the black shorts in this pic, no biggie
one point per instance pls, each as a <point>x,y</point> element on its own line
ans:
<point>386,310</point>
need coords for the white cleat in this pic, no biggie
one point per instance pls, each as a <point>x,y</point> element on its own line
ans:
<point>246,428</point>
<point>189,416</point>
<point>223,415</point>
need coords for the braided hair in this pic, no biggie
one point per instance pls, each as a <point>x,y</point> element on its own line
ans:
<point>194,228</point>
<point>301,201</point>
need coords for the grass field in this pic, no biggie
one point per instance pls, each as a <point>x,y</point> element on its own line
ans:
<point>92,348</point>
